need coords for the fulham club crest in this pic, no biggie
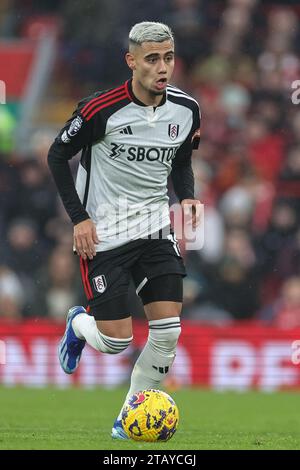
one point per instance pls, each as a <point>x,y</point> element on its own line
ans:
<point>173,131</point>
<point>99,283</point>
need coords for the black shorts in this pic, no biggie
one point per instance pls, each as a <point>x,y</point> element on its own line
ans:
<point>106,278</point>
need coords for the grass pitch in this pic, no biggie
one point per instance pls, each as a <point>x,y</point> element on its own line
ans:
<point>82,419</point>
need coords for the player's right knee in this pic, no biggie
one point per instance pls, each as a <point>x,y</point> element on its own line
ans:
<point>110,345</point>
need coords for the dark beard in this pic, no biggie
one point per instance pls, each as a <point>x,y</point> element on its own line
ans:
<point>154,92</point>
<point>157,93</point>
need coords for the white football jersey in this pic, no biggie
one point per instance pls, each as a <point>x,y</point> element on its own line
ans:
<point>128,150</point>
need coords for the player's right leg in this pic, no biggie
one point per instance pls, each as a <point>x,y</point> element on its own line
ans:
<point>82,328</point>
<point>107,325</point>
<point>107,336</point>
<point>111,337</point>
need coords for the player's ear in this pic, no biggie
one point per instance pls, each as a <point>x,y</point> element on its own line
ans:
<point>130,60</point>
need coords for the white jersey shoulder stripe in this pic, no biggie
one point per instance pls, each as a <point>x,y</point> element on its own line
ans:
<point>172,93</point>
<point>177,92</point>
<point>173,89</point>
<point>176,89</point>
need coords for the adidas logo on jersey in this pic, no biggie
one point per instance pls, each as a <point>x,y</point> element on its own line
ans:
<point>126,130</point>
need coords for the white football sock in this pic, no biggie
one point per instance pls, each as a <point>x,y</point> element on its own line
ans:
<point>85,327</point>
<point>157,356</point>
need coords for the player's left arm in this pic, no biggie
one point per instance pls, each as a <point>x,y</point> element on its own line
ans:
<point>182,172</point>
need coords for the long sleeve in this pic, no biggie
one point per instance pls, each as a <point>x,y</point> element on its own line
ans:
<point>182,173</point>
<point>78,134</point>
<point>60,169</point>
<point>183,181</point>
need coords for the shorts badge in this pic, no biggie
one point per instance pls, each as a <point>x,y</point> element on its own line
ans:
<point>100,283</point>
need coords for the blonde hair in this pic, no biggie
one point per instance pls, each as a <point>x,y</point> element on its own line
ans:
<point>150,31</point>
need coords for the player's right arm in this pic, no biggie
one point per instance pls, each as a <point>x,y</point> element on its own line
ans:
<point>79,133</point>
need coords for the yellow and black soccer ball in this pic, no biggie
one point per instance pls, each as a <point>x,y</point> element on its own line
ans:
<point>150,416</point>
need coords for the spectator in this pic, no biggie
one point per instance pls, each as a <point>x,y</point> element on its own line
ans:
<point>284,312</point>
<point>23,253</point>
<point>233,281</point>
<point>59,286</point>
<point>9,183</point>
<point>12,294</point>
<point>37,198</point>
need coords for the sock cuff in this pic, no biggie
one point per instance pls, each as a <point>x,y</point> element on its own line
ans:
<point>164,323</point>
<point>114,345</point>
<point>116,340</point>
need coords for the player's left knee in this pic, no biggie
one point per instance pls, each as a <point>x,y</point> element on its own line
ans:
<point>165,339</point>
<point>172,336</point>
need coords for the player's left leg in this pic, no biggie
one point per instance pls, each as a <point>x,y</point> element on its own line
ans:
<point>157,274</point>
<point>157,357</point>
<point>163,316</point>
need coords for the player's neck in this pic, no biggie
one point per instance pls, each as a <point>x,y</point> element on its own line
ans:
<point>145,97</point>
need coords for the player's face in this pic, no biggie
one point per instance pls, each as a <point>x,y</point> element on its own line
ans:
<point>153,64</point>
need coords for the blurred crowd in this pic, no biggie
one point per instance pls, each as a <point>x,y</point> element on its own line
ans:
<point>239,59</point>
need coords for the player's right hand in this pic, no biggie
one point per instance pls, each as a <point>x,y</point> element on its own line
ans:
<point>85,238</point>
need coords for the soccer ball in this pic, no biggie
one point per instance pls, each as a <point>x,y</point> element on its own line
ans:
<point>150,416</point>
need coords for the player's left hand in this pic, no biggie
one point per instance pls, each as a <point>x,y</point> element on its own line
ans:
<point>192,208</point>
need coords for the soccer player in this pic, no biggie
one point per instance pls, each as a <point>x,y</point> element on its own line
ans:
<point>132,137</point>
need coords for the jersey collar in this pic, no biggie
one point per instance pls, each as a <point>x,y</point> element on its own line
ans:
<point>128,86</point>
